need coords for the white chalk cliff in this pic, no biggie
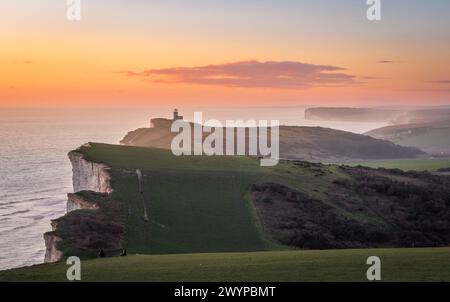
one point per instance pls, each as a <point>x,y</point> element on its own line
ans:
<point>87,176</point>
<point>52,254</point>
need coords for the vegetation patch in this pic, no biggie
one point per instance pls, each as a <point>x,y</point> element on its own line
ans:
<point>86,231</point>
<point>371,208</point>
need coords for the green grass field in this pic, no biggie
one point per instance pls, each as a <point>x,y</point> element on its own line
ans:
<point>332,265</point>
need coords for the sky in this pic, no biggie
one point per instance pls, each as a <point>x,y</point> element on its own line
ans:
<point>224,53</point>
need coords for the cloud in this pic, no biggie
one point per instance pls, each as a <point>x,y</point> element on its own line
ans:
<point>385,62</point>
<point>252,74</point>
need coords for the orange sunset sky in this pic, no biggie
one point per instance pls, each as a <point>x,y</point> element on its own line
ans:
<point>144,53</point>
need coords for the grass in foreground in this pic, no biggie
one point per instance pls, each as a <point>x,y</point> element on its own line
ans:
<point>432,264</point>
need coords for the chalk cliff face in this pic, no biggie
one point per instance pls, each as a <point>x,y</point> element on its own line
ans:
<point>52,254</point>
<point>89,176</point>
<point>75,202</point>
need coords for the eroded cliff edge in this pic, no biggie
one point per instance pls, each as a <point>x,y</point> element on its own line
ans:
<point>89,176</point>
<point>91,184</point>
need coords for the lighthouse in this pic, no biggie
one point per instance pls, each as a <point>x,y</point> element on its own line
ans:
<point>176,116</point>
<point>165,122</point>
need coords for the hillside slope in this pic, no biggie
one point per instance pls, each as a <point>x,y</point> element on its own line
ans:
<point>299,143</point>
<point>433,138</point>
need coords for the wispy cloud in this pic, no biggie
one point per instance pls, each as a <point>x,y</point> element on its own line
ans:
<point>252,74</point>
<point>385,62</point>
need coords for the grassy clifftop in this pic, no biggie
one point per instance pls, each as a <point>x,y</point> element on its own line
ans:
<point>194,204</point>
<point>232,204</point>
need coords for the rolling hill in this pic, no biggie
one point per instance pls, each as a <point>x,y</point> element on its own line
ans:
<point>299,143</point>
<point>433,138</point>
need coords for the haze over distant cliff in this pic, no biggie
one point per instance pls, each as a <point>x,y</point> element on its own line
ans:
<point>394,116</point>
<point>433,138</point>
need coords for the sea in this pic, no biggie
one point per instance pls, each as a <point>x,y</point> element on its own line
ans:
<point>36,175</point>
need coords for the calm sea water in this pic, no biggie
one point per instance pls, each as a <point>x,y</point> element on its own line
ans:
<point>36,175</point>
